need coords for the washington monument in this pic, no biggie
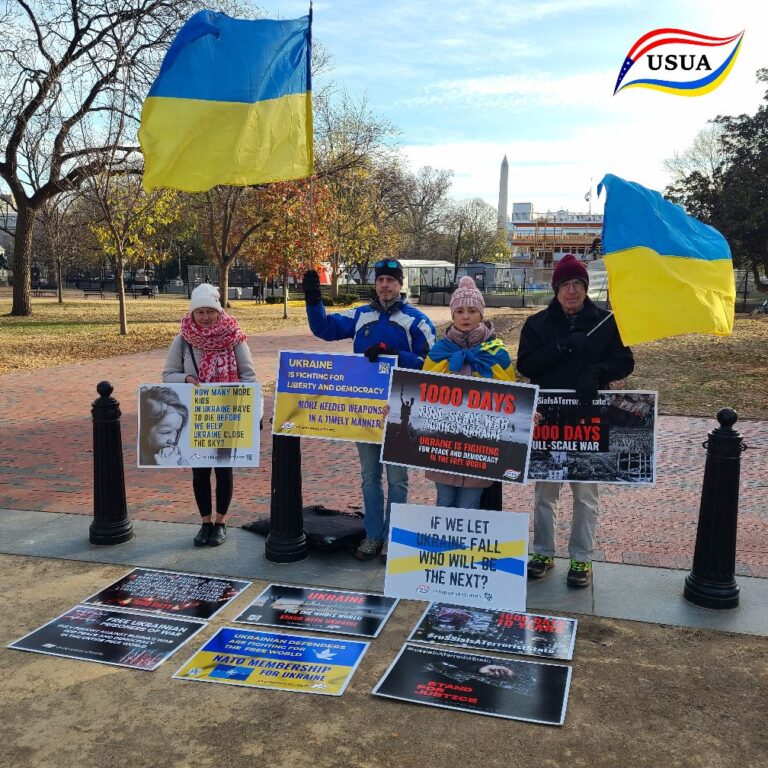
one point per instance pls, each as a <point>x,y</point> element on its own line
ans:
<point>503,185</point>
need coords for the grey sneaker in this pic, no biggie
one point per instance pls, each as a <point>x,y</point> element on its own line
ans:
<point>368,549</point>
<point>383,553</point>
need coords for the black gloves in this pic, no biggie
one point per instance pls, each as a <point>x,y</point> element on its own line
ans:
<point>576,343</point>
<point>587,385</point>
<point>310,284</point>
<point>373,352</point>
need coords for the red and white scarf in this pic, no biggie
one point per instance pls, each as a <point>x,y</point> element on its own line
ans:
<point>218,343</point>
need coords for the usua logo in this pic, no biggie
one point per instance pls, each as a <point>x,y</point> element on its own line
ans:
<point>679,62</point>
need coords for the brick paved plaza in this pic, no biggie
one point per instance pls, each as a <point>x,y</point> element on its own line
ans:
<point>46,465</point>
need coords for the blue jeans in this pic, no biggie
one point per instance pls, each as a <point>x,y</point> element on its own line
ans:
<point>458,496</point>
<point>376,517</point>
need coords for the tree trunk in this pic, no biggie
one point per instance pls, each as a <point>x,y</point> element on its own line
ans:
<point>22,261</point>
<point>121,293</point>
<point>59,287</point>
<point>285,294</point>
<point>224,284</point>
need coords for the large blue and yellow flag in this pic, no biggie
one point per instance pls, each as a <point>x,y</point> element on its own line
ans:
<point>232,104</point>
<point>668,273</point>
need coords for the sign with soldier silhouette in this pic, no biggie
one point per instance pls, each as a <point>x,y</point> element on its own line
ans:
<point>463,425</point>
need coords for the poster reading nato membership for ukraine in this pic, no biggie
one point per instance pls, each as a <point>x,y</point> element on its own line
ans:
<point>109,636</point>
<point>459,556</point>
<point>486,685</point>
<point>459,424</point>
<point>336,397</point>
<point>611,440</point>
<point>270,660</point>
<point>199,425</point>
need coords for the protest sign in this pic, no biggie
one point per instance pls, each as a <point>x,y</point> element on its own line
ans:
<point>525,633</point>
<point>459,424</point>
<point>322,610</point>
<point>178,594</point>
<point>336,397</point>
<point>461,556</point>
<point>610,440</point>
<point>199,425</point>
<point>109,636</point>
<point>269,660</point>
<point>486,685</point>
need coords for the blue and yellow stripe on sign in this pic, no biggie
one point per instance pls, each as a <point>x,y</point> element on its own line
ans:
<point>510,557</point>
<point>668,273</point>
<point>232,105</point>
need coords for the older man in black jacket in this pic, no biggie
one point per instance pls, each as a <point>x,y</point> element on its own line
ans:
<point>570,345</point>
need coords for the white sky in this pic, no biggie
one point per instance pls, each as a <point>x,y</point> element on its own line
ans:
<point>468,82</point>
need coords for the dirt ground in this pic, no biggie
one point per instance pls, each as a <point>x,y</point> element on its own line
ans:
<point>641,695</point>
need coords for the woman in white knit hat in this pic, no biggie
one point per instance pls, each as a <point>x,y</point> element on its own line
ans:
<point>210,348</point>
<point>470,348</point>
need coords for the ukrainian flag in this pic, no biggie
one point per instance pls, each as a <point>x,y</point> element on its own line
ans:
<point>668,273</point>
<point>232,105</point>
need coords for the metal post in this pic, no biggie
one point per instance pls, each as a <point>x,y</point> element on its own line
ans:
<point>111,524</point>
<point>286,542</point>
<point>711,582</point>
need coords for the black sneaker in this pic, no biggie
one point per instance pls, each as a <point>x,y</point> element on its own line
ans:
<point>539,565</point>
<point>203,535</point>
<point>368,548</point>
<point>579,574</point>
<point>218,535</point>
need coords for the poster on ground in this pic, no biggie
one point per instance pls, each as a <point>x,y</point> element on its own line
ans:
<point>485,685</point>
<point>199,425</point>
<point>611,440</point>
<point>237,656</point>
<point>459,424</point>
<point>321,610</point>
<point>528,634</point>
<point>177,594</point>
<point>335,397</point>
<point>109,636</point>
<point>459,556</point>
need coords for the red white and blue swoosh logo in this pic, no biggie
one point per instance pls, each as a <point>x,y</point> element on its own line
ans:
<point>679,62</point>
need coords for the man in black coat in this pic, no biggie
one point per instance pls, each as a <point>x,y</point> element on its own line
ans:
<point>570,345</point>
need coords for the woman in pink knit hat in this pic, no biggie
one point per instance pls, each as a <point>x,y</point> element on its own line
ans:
<point>470,348</point>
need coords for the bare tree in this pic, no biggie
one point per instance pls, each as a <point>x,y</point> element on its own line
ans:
<point>473,225</point>
<point>61,64</point>
<point>425,210</point>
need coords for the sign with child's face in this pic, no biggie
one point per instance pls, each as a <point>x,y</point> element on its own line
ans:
<point>199,425</point>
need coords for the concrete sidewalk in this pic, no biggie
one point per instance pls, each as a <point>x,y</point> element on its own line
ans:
<point>618,591</point>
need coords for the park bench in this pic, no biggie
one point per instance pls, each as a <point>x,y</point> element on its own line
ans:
<point>146,291</point>
<point>93,292</point>
<point>40,292</point>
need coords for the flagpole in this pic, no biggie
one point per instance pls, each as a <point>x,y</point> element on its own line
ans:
<point>607,317</point>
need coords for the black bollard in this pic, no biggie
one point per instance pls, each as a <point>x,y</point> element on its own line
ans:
<point>711,582</point>
<point>111,524</point>
<point>286,542</point>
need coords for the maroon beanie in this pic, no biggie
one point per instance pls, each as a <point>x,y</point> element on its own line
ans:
<point>569,268</point>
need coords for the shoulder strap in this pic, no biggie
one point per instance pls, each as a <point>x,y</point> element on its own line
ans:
<point>192,355</point>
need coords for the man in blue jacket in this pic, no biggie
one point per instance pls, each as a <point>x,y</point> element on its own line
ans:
<point>389,325</point>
